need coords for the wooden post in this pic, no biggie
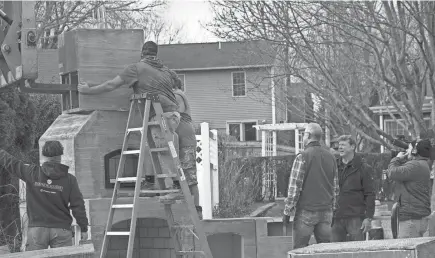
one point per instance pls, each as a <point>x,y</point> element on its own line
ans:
<point>204,178</point>
<point>263,143</point>
<point>274,142</point>
<point>23,214</point>
<point>381,126</point>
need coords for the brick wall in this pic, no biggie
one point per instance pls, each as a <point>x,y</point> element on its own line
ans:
<point>152,240</point>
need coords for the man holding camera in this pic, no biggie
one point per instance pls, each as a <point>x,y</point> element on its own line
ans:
<point>411,173</point>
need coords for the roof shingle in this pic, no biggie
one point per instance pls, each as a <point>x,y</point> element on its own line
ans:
<point>216,55</point>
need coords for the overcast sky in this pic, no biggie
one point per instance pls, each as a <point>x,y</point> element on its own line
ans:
<point>191,14</point>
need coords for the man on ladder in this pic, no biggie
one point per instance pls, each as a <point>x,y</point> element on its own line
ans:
<point>152,83</point>
<point>147,76</point>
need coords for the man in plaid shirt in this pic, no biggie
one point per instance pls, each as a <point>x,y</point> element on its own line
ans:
<point>312,191</point>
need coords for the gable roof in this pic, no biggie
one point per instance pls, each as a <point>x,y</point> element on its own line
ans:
<point>216,55</point>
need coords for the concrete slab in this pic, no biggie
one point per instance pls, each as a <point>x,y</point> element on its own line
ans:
<point>413,247</point>
<point>80,251</point>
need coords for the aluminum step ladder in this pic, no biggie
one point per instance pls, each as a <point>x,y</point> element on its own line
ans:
<point>147,147</point>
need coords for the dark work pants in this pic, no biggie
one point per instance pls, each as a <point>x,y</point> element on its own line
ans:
<point>344,226</point>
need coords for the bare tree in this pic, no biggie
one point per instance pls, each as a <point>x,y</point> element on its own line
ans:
<point>349,54</point>
<point>163,32</point>
<point>55,17</point>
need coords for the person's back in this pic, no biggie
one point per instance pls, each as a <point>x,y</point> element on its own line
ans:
<point>185,129</point>
<point>187,141</point>
<point>51,194</point>
<point>414,192</point>
<point>155,78</point>
<point>318,189</point>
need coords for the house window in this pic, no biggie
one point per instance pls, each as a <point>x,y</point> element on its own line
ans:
<point>183,81</point>
<point>111,163</point>
<point>239,84</point>
<point>394,129</point>
<point>243,131</point>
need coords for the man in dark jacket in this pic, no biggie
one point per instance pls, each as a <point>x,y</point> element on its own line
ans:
<point>51,194</point>
<point>312,190</point>
<point>356,202</point>
<point>411,173</point>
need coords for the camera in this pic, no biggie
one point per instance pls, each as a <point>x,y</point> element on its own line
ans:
<point>402,143</point>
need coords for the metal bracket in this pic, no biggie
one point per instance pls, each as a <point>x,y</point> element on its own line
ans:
<point>18,42</point>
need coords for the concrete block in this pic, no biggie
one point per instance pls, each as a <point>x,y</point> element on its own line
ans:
<point>143,232</point>
<point>81,251</point>
<point>159,243</point>
<point>123,253</point>
<point>112,254</point>
<point>153,232</point>
<point>164,232</point>
<point>146,243</point>
<point>154,253</point>
<point>119,244</point>
<point>164,253</point>
<point>413,247</point>
<point>144,253</point>
<point>274,246</point>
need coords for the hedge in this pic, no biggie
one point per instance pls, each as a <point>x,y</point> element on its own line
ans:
<point>253,168</point>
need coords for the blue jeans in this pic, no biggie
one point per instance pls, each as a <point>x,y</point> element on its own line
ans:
<point>39,238</point>
<point>306,223</point>
<point>347,226</point>
<point>413,228</point>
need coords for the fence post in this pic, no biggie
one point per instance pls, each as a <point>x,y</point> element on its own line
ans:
<point>23,214</point>
<point>214,166</point>
<point>204,178</point>
<point>296,141</point>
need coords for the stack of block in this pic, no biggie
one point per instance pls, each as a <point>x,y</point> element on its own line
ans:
<point>95,56</point>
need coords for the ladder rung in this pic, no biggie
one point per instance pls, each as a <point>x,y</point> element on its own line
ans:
<point>166,175</point>
<point>122,206</point>
<point>153,123</point>
<point>171,202</point>
<point>125,193</point>
<point>127,179</point>
<point>139,129</point>
<point>184,226</point>
<point>159,149</point>
<point>131,152</point>
<point>160,191</point>
<point>118,233</point>
<point>189,252</point>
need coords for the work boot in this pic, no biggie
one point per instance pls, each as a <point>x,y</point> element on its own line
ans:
<point>172,196</point>
<point>176,185</point>
<point>148,184</point>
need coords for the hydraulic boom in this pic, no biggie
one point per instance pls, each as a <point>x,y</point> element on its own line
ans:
<point>18,59</point>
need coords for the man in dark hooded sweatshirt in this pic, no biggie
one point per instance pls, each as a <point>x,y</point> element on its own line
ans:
<point>51,194</point>
<point>149,75</point>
